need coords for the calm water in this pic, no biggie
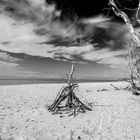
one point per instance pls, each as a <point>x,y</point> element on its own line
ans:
<point>41,81</point>
<point>27,81</point>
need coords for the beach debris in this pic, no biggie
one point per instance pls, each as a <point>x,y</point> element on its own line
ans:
<point>102,90</point>
<point>128,87</point>
<point>67,97</point>
<point>89,91</point>
<point>116,88</point>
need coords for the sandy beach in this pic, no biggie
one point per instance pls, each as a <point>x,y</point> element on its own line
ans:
<point>115,114</point>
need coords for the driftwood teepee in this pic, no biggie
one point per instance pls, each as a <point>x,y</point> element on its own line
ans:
<point>67,95</point>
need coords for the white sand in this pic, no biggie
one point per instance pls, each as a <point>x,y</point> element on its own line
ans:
<point>23,113</point>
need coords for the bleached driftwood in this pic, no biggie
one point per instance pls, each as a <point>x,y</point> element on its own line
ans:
<point>115,87</point>
<point>134,46</point>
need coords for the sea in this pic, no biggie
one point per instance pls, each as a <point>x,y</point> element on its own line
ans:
<point>44,81</point>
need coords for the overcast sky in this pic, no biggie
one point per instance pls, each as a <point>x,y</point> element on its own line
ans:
<point>42,39</point>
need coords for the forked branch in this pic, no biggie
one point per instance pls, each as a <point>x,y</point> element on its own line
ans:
<point>124,16</point>
<point>134,47</point>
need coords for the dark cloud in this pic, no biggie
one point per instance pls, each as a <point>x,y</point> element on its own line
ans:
<point>78,40</point>
<point>113,37</point>
<point>65,32</point>
<point>5,43</point>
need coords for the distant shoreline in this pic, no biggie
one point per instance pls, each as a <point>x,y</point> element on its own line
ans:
<point>46,81</point>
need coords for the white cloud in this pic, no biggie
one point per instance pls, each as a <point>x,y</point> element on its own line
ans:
<point>87,53</point>
<point>11,30</point>
<point>103,54</point>
<point>108,57</point>
<point>115,62</point>
<point>36,3</point>
<point>96,20</point>
<point>23,39</point>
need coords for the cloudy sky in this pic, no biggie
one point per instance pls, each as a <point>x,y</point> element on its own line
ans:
<point>41,39</point>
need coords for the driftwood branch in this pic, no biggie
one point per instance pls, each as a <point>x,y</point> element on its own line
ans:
<point>71,74</point>
<point>115,87</point>
<point>134,46</point>
<point>102,90</point>
<point>121,88</point>
<point>124,16</point>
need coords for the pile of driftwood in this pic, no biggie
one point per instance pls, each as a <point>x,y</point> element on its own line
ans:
<point>66,101</point>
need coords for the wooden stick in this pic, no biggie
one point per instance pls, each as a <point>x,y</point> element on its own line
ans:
<point>71,74</point>
<point>115,87</point>
<point>58,102</point>
<point>81,104</point>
